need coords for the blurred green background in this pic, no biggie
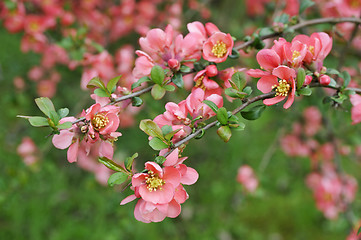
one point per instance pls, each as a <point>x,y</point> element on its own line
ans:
<point>58,200</point>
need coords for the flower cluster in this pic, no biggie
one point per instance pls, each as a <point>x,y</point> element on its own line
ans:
<point>160,189</point>
<point>282,62</point>
<point>247,178</point>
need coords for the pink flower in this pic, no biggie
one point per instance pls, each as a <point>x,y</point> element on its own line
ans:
<point>247,178</point>
<point>103,120</point>
<point>196,107</point>
<point>356,108</point>
<point>158,184</point>
<point>218,47</point>
<point>285,87</point>
<point>28,151</point>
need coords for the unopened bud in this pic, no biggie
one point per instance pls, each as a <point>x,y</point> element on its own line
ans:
<point>174,64</point>
<point>211,70</point>
<point>323,70</point>
<point>308,80</point>
<point>325,80</point>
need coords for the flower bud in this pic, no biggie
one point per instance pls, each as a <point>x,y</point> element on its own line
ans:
<point>174,64</point>
<point>308,80</point>
<point>325,80</point>
<point>211,70</point>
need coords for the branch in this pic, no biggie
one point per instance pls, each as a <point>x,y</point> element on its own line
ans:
<point>329,20</point>
<point>337,87</point>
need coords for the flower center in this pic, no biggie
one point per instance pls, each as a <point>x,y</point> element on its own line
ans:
<point>99,121</point>
<point>154,182</point>
<point>282,88</point>
<point>199,83</point>
<point>295,54</point>
<point>219,49</point>
<point>355,3</point>
<point>312,49</point>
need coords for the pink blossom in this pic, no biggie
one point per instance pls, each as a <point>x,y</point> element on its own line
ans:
<point>247,178</point>
<point>293,146</point>
<point>28,151</point>
<point>218,47</point>
<point>103,120</point>
<point>356,108</point>
<point>285,87</point>
<point>196,107</point>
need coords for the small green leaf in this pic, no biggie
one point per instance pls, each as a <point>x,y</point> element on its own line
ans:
<point>166,129</point>
<point>284,18</point>
<point>332,71</point>
<point>231,92</point>
<point>304,91</point>
<point>211,105</point>
<point>253,113</point>
<point>64,125</point>
<point>137,101</point>
<point>63,112</point>
<point>177,79</point>
<point>38,121</point>
<point>140,81</point>
<point>96,82</point>
<point>110,164</point>
<point>225,133</point>
<point>112,83</point>
<point>54,116</point>
<point>160,160</point>
<point>185,69</point>
<point>304,4</point>
<point>340,98</point>
<point>239,80</point>
<point>157,75</point>
<point>258,43</point>
<point>241,126</point>
<point>117,178</point>
<point>157,92</point>
<point>301,76</point>
<point>157,144</point>
<point>151,128</point>
<point>169,88</point>
<point>234,54</point>
<point>222,116</point>
<point>45,105</point>
<point>129,161</point>
<point>170,135</point>
<point>266,31</point>
<point>359,231</point>
<point>101,93</point>
<point>346,78</point>
<point>248,90</point>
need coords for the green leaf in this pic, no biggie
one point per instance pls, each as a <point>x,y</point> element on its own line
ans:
<point>157,144</point>
<point>211,105</point>
<point>224,133</point>
<point>185,69</point>
<point>332,71</point>
<point>304,91</point>
<point>241,126</point>
<point>234,54</point>
<point>359,231</point>
<point>222,116</point>
<point>169,88</point>
<point>112,83</point>
<point>231,92</point>
<point>166,129</point>
<point>45,105</point>
<point>64,125</point>
<point>266,31</point>
<point>346,78</point>
<point>54,116</point>
<point>38,121</point>
<point>253,113</point>
<point>96,82</point>
<point>97,46</point>
<point>333,83</point>
<point>340,98</point>
<point>110,164</point>
<point>151,128</point>
<point>160,160</point>
<point>157,74</point>
<point>248,90</point>
<point>157,92</point>
<point>129,161</point>
<point>258,43</point>
<point>101,93</point>
<point>301,76</point>
<point>304,4</point>
<point>284,18</point>
<point>170,135</point>
<point>137,101</point>
<point>177,79</point>
<point>117,178</point>
<point>140,81</point>
<point>238,81</point>
<point>63,112</point>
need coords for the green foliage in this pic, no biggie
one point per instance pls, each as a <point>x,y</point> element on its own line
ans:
<point>117,178</point>
<point>253,113</point>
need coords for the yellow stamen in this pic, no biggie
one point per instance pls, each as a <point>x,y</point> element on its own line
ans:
<point>99,121</point>
<point>154,182</point>
<point>295,55</point>
<point>199,83</point>
<point>282,88</point>
<point>219,49</point>
<point>312,49</point>
<point>355,3</point>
